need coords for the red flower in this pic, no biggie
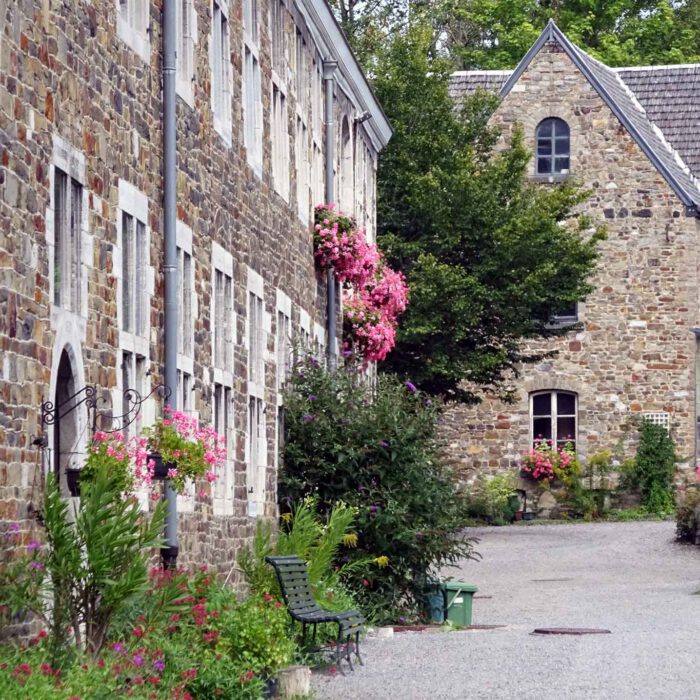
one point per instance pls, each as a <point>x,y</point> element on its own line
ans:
<point>365,582</point>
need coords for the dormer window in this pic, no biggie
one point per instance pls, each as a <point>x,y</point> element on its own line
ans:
<point>553,147</point>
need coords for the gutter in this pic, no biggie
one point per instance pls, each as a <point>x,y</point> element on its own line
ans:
<point>329,68</point>
<point>170,549</point>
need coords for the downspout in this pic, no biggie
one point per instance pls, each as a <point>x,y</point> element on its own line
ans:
<point>169,551</point>
<point>329,68</point>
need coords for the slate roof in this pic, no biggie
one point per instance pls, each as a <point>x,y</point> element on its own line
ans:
<point>670,96</point>
<point>663,118</point>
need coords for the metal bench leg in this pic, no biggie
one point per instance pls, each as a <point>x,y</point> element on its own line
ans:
<point>338,660</point>
<point>347,653</point>
<point>314,639</point>
<point>357,648</point>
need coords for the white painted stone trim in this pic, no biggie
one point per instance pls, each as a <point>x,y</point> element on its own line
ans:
<point>223,123</point>
<point>184,84</point>
<point>183,235</point>
<point>138,39</point>
<point>135,203</point>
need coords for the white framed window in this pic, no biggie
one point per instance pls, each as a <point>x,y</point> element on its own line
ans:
<point>252,87</point>
<point>135,276</point>
<point>186,39</point>
<point>317,101</point>
<point>347,184</point>
<point>319,344</point>
<point>222,415</point>
<point>67,237</point>
<point>223,323</point>
<point>284,360</point>
<point>278,38</point>
<point>222,314</point>
<point>187,297</point>
<point>221,73</point>
<point>280,142</point>
<point>133,26</point>
<point>185,391</point>
<point>302,75</point>
<point>186,404</point>
<point>301,159</point>
<point>133,369</point>
<point>662,418</point>
<point>256,433</point>
<point>554,417</point>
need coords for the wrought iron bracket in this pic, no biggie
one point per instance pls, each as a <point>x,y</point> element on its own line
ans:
<point>87,396</point>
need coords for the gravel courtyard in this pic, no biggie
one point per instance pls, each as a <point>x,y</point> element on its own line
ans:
<point>630,578</point>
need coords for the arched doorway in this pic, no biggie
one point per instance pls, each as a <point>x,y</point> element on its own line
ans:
<point>65,429</point>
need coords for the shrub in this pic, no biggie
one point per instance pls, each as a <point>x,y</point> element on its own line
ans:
<point>686,522</point>
<point>93,566</point>
<point>374,448</point>
<point>496,503</point>
<point>654,467</point>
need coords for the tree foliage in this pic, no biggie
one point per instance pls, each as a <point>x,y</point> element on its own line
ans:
<point>489,258</point>
<point>496,34</point>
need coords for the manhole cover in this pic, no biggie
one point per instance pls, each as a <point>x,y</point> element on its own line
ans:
<point>483,597</point>
<point>570,630</point>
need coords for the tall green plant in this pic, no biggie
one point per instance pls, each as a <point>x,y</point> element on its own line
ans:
<point>374,448</point>
<point>655,467</point>
<point>93,565</point>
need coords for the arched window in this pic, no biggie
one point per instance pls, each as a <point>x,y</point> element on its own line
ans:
<point>553,416</point>
<point>553,147</point>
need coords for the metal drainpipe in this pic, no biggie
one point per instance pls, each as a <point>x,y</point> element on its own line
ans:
<point>170,550</point>
<point>329,68</point>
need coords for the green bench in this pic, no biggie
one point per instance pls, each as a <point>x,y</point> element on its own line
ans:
<point>293,578</point>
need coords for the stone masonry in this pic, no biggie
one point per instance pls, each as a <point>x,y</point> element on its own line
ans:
<point>70,82</point>
<point>634,352</point>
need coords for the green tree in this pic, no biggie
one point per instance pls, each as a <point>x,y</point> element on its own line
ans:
<point>489,258</point>
<point>496,34</point>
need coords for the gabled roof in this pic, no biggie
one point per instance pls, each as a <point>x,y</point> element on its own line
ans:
<point>665,152</point>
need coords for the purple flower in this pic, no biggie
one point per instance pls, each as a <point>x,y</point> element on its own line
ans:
<point>419,534</point>
<point>32,546</point>
<point>307,417</point>
<point>312,397</point>
<point>159,665</point>
<point>14,527</point>
<point>410,386</point>
<point>137,659</point>
<point>384,443</point>
<point>346,353</point>
<point>118,648</point>
<point>301,373</point>
<point>428,402</point>
<point>36,565</point>
<point>373,509</point>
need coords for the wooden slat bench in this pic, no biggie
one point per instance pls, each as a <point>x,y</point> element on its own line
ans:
<point>294,582</point>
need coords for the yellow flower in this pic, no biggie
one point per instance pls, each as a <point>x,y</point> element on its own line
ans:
<point>287,517</point>
<point>350,540</point>
<point>382,562</point>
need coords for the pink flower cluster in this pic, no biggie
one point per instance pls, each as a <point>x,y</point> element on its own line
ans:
<point>123,453</point>
<point>545,462</point>
<point>374,294</point>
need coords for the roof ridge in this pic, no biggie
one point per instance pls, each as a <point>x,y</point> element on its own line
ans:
<point>481,72</point>
<point>666,66</point>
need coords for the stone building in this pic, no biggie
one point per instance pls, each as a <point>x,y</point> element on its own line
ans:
<point>82,218</point>
<point>629,135</point>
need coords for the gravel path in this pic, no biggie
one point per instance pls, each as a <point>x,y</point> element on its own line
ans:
<point>630,578</point>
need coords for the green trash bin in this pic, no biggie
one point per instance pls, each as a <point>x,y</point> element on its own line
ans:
<point>458,600</point>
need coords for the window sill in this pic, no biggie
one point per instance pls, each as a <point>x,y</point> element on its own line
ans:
<point>559,177</point>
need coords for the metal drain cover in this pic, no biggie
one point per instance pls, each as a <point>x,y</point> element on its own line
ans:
<point>576,631</point>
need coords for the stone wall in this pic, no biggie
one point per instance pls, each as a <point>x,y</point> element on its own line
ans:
<point>634,352</point>
<point>68,77</point>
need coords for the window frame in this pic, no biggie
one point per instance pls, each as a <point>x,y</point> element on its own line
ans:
<point>133,26</point>
<point>186,39</point>
<point>553,416</point>
<point>221,70</point>
<point>256,425</point>
<point>552,157</point>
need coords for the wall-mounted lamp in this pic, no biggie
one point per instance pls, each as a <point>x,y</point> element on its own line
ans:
<point>363,117</point>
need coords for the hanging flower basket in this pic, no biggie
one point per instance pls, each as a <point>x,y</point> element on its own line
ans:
<point>160,467</point>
